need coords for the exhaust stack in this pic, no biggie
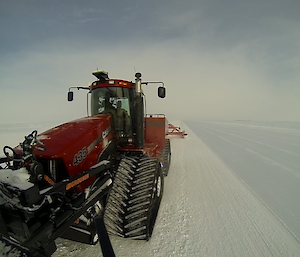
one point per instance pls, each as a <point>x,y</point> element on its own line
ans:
<point>139,112</point>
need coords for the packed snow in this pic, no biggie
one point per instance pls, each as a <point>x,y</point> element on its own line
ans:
<point>266,157</point>
<point>232,190</point>
<point>16,178</point>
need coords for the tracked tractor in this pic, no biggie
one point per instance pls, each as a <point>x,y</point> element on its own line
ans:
<point>108,166</point>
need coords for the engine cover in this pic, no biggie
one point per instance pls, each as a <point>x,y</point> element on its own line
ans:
<point>78,143</point>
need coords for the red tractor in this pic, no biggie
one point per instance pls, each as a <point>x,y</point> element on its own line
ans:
<point>109,165</point>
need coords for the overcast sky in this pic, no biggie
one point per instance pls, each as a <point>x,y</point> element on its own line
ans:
<point>220,60</point>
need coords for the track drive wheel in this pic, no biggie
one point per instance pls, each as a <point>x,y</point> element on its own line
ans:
<point>135,197</point>
<point>166,157</point>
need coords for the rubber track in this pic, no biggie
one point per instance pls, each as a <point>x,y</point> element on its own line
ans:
<point>128,207</point>
<point>166,157</point>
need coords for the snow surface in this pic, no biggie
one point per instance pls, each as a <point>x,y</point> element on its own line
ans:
<point>17,178</point>
<point>216,200</point>
<point>266,156</point>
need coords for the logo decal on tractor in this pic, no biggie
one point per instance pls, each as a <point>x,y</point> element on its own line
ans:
<point>99,139</point>
<point>77,181</point>
<point>80,156</point>
<point>106,132</point>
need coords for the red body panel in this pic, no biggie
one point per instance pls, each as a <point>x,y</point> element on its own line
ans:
<point>155,132</point>
<point>78,143</point>
<point>155,136</point>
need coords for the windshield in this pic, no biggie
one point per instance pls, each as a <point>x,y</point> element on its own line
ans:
<point>116,101</point>
<point>105,99</point>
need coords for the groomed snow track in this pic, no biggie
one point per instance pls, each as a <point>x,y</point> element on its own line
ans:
<point>135,197</point>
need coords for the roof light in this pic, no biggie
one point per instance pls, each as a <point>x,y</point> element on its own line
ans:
<point>123,83</point>
<point>111,82</point>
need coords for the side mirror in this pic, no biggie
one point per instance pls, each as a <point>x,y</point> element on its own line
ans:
<point>162,92</point>
<point>70,96</point>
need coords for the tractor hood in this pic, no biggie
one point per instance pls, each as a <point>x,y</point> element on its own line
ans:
<point>65,140</point>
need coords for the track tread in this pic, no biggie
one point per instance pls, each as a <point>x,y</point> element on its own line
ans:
<point>166,157</point>
<point>133,201</point>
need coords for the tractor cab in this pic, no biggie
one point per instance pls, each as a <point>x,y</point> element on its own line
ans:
<point>115,97</point>
<point>123,100</point>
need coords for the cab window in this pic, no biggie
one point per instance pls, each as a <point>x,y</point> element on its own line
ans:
<point>116,101</point>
